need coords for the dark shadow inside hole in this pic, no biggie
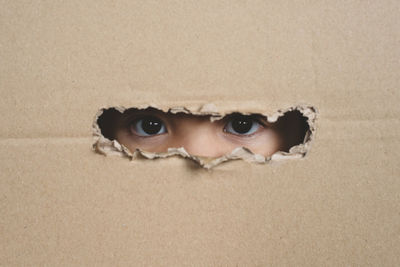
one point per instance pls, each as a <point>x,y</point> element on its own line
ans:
<point>292,127</point>
<point>107,122</point>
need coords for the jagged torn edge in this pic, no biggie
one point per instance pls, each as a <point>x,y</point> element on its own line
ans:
<point>105,146</point>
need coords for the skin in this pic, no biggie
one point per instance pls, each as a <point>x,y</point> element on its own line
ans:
<point>197,134</point>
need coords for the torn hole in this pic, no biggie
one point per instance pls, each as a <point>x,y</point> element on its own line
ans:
<point>205,136</point>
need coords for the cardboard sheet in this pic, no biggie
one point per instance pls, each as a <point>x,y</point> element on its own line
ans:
<point>62,204</point>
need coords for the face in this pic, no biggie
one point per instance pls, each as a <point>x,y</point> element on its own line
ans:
<point>155,131</point>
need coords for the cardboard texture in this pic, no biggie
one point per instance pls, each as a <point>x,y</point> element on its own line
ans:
<point>62,204</point>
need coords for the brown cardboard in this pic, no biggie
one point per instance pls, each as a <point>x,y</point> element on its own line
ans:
<point>64,205</point>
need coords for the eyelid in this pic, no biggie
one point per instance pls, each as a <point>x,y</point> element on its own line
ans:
<point>131,119</point>
<point>254,118</point>
<point>141,133</point>
<point>140,114</point>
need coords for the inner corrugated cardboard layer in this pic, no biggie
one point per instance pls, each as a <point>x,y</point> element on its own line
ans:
<point>106,146</point>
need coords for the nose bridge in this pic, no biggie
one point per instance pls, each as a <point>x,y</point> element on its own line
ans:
<point>201,141</point>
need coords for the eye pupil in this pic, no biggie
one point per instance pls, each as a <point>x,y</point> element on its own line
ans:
<point>242,124</point>
<point>151,125</point>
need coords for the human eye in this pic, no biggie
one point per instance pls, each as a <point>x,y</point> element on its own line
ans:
<point>147,126</point>
<point>242,125</point>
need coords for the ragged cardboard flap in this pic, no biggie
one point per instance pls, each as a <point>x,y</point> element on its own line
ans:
<point>64,205</point>
<point>107,145</point>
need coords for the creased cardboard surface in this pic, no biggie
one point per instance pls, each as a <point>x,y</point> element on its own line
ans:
<point>63,204</point>
<point>117,212</point>
<point>87,55</point>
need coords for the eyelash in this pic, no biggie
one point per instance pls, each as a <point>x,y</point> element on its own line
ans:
<point>131,121</point>
<point>253,119</point>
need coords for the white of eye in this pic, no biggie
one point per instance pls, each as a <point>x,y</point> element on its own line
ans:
<point>148,126</point>
<point>239,126</point>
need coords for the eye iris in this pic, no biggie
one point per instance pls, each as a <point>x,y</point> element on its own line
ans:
<point>242,125</point>
<point>151,125</point>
